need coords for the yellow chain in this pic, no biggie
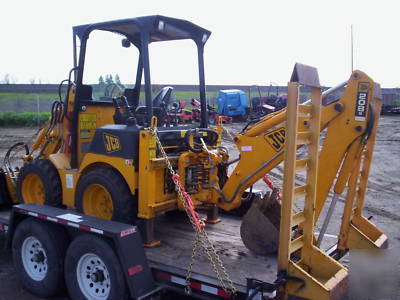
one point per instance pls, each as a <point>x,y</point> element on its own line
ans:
<point>200,237</point>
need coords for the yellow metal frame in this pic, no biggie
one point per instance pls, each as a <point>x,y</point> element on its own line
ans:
<point>151,177</point>
<point>319,276</point>
<point>256,151</point>
<point>356,231</point>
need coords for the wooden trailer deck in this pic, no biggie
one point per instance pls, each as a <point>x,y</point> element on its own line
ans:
<point>176,235</point>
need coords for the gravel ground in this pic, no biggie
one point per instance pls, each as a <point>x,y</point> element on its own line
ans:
<point>382,199</point>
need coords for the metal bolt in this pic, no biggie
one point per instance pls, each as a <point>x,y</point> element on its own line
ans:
<point>358,128</point>
<point>338,107</point>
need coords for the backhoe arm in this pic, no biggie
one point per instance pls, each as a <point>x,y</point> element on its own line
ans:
<point>346,123</point>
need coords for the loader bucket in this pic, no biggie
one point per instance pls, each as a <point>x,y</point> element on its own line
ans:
<point>260,225</point>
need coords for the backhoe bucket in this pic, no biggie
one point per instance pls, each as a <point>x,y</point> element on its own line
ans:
<point>260,225</point>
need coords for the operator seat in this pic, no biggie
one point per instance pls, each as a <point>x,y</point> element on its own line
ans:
<point>160,104</point>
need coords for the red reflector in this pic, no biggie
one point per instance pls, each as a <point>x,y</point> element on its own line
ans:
<point>62,221</point>
<point>84,227</point>
<point>134,270</point>
<point>223,294</point>
<point>164,276</point>
<point>127,232</point>
<point>42,216</point>
<point>195,285</point>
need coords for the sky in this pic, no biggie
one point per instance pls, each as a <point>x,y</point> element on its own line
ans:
<point>252,42</point>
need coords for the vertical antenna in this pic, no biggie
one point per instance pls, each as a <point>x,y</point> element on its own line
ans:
<point>352,53</point>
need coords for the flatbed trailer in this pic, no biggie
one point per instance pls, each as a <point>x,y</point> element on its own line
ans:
<point>153,271</point>
<point>174,253</point>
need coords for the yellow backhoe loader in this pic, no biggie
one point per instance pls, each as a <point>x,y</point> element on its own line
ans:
<point>109,157</point>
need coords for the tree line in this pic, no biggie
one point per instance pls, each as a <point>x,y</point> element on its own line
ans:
<point>109,79</point>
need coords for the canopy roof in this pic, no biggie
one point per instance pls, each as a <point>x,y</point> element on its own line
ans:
<point>158,28</point>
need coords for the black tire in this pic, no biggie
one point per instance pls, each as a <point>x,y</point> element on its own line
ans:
<point>124,203</point>
<point>54,242</point>
<point>89,250</point>
<point>48,174</point>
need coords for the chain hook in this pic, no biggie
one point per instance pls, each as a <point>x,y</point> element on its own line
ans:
<point>153,123</point>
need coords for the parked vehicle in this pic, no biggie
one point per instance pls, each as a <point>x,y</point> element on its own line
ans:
<point>178,114</point>
<point>212,114</point>
<point>264,105</point>
<point>233,103</point>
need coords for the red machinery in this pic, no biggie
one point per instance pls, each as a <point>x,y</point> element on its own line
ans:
<point>178,114</point>
<point>212,114</point>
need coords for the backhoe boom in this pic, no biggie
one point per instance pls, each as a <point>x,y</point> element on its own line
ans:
<point>261,145</point>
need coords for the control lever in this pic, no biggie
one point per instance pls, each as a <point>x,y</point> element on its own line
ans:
<point>128,117</point>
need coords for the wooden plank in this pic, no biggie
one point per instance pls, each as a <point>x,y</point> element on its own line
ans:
<point>176,235</point>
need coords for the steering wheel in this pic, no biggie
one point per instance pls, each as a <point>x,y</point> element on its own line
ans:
<point>195,146</point>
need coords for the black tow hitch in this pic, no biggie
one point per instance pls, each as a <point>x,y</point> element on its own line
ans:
<point>256,288</point>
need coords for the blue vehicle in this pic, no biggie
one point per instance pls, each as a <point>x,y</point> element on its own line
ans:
<point>233,103</point>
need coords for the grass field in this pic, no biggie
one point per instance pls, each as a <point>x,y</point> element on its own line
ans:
<point>23,119</point>
<point>27,102</point>
<point>26,96</point>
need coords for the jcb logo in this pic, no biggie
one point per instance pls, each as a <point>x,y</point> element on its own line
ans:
<point>276,138</point>
<point>111,143</point>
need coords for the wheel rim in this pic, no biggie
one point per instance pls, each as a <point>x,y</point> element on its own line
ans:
<point>33,189</point>
<point>93,277</point>
<point>34,258</point>
<point>97,202</point>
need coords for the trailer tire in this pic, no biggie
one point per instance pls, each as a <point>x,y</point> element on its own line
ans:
<point>106,184</point>
<point>93,270</point>
<point>38,251</point>
<point>38,182</point>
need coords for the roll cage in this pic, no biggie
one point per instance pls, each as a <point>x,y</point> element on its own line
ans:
<point>140,32</point>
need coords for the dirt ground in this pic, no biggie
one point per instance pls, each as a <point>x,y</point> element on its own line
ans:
<point>382,198</point>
